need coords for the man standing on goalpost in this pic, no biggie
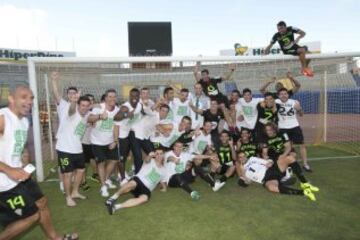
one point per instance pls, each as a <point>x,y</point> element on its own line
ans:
<point>22,204</point>
<point>289,45</point>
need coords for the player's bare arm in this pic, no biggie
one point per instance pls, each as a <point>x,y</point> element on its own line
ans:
<point>267,84</point>
<point>301,34</point>
<point>197,74</point>
<point>296,83</point>
<point>230,73</point>
<point>298,108</point>
<point>55,77</point>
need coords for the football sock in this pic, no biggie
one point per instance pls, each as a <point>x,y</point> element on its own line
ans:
<point>291,191</point>
<point>298,171</point>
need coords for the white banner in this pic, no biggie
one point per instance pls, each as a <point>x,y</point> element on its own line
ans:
<point>21,54</point>
<point>313,47</point>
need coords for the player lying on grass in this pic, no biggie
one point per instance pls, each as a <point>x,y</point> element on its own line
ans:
<point>289,45</point>
<point>142,184</point>
<point>22,204</point>
<point>180,170</point>
<point>269,173</point>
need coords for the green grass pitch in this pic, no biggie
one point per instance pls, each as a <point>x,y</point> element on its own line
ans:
<point>231,213</point>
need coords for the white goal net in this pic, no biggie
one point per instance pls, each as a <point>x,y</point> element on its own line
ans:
<point>331,99</point>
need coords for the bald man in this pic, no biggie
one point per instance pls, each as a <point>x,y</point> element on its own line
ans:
<point>22,204</point>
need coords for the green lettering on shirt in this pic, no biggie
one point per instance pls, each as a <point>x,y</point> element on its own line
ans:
<point>248,111</point>
<point>107,125</point>
<point>180,167</point>
<point>153,176</point>
<point>182,111</point>
<point>80,129</point>
<point>20,140</point>
<point>201,146</point>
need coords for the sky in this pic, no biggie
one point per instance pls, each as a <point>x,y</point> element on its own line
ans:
<point>99,28</point>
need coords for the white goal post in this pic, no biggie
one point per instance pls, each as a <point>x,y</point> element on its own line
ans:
<point>249,67</point>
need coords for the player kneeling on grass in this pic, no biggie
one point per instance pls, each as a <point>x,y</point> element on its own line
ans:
<point>270,173</point>
<point>22,204</point>
<point>142,184</point>
<point>179,169</point>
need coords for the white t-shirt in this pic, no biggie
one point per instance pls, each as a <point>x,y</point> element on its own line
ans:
<point>249,111</point>
<point>131,124</point>
<point>255,169</point>
<point>102,133</point>
<point>71,131</point>
<point>12,145</point>
<point>180,167</point>
<point>168,141</point>
<point>181,109</point>
<point>171,114</point>
<point>62,108</point>
<point>287,114</point>
<point>239,124</point>
<point>199,144</point>
<point>151,175</point>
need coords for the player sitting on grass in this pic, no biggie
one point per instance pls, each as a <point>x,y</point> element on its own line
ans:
<point>226,156</point>
<point>278,148</point>
<point>179,169</point>
<point>289,45</point>
<point>142,184</point>
<point>269,173</point>
<point>22,204</point>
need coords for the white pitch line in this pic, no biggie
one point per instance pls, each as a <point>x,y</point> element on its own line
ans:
<point>340,157</point>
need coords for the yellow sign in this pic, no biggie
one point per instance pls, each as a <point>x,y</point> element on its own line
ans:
<point>240,50</point>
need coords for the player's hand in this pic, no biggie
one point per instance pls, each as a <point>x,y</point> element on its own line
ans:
<point>240,118</point>
<point>131,114</point>
<point>104,115</point>
<point>17,174</point>
<point>289,75</point>
<point>196,69</point>
<point>269,163</point>
<point>176,160</point>
<point>113,145</point>
<point>232,66</point>
<point>151,154</point>
<point>55,76</point>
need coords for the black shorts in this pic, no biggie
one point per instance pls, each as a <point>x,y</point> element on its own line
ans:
<point>140,188</point>
<point>273,173</point>
<point>224,168</point>
<point>260,136</point>
<point>185,177</point>
<point>103,153</point>
<point>68,162</point>
<point>19,202</point>
<point>293,50</point>
<point>88,152</point>
<point>295,134</point>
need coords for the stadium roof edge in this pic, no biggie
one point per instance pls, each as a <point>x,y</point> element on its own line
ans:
<point>179,59</point>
